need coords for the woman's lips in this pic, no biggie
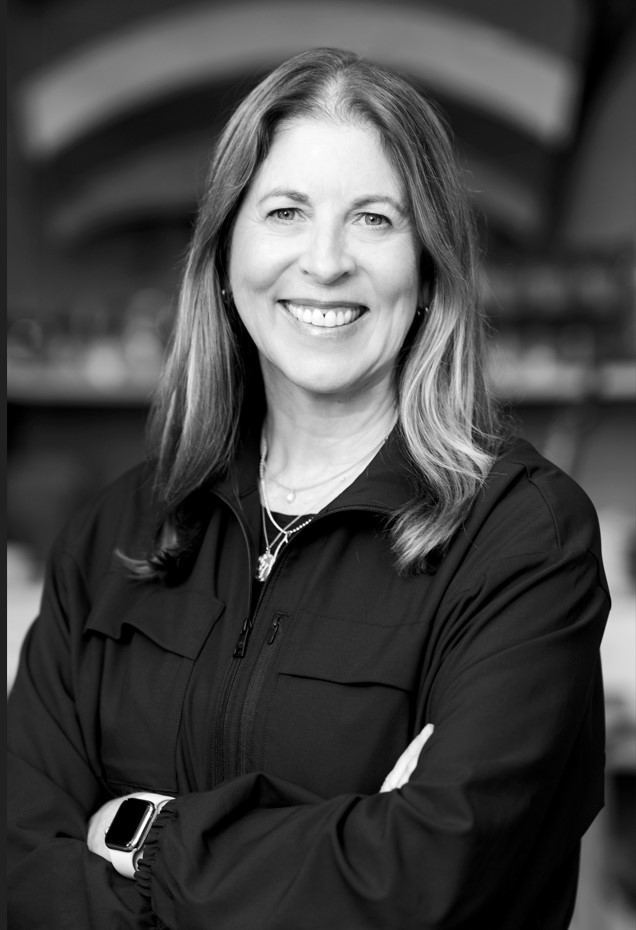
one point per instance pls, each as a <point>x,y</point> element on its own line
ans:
<point>327,315</point>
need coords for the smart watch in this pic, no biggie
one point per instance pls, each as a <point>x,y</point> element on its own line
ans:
<point>130,827</point>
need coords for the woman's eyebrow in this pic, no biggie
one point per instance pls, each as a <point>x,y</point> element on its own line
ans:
<point>380,198</point>
<point>296,196</point>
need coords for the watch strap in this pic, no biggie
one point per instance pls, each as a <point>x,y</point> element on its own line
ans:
<point>124,862</point>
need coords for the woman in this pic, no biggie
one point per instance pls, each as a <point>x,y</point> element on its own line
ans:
<point>333,555</point>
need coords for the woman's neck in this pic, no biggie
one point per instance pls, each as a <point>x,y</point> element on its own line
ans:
<point>315,449</point>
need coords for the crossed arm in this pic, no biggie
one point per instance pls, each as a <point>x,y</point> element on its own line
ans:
<point>397,778</point>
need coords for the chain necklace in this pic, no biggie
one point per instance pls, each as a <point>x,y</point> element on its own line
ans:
<point>267,559</point>
<point>292,492</point>
<point>272,549</point>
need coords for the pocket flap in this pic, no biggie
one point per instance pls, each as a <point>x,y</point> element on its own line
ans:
<point>176,619</point>
<point>349,651</point>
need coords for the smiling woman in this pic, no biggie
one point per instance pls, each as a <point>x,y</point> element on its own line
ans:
<point>331,657</point>
<point>357,119</point>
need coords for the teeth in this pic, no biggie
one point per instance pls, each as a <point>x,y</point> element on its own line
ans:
<point>332,318</point>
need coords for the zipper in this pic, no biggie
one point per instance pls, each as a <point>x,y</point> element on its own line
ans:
<point>217,753</point>
<point>241,644</point>
<point>261,669</point>
<point>221,769</point>
<point>217,760</point>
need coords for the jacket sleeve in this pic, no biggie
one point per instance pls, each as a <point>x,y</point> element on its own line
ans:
<point>502,793</point>
<point>54,787</point>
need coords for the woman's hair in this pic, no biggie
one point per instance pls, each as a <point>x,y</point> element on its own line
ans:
<point>446,419</point>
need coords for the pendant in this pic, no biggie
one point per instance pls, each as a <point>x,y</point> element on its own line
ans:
<point>291,496</point>
<point>265,562</point>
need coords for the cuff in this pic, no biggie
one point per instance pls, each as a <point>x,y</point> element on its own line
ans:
<point>143,873</point>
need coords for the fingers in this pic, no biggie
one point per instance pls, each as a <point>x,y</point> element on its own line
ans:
<point>405,765</point>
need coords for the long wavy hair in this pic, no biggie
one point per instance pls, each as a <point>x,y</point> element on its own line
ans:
<point>446,420</point>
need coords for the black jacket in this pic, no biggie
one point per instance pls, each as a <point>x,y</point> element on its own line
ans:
<point>275,724</point>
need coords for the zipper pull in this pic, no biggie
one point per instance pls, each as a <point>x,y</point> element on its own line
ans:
<point>273,630</point>
<point>241,644</point>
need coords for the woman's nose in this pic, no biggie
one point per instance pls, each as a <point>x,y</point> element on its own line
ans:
<point>326,256</point>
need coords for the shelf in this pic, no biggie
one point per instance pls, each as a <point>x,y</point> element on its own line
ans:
<point>75,386</point>
<point>515,380</point>
<point>554,381</point>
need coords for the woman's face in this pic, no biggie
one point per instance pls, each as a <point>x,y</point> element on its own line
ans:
<point>324,261</point>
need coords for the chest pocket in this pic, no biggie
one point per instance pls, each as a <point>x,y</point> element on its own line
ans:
<point>147,642</point>
<point>341,708</point>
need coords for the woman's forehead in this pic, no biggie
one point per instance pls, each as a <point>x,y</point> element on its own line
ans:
<point>311,150</point>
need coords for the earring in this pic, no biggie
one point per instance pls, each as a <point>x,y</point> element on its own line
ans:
<point>226,296</point>
<point>420,311</point>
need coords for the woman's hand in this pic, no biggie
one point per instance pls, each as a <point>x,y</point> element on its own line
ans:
<point>99,824</point>
<point>405,765</point>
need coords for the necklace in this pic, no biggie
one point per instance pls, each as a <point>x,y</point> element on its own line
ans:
<point>292,492</point>
<point>267,559</point>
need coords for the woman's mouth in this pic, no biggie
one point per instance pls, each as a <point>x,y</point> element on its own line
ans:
<point>327,316</point>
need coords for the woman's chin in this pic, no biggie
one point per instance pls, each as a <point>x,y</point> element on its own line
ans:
<point>325,382</point>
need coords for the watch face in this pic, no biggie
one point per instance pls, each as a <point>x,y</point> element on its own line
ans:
<point>130,824</point>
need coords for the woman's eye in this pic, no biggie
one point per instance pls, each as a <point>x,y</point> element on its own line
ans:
<point>375,220</point>
<point>284,213</point>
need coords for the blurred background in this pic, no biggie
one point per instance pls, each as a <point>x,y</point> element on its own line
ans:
<point>113,109</point>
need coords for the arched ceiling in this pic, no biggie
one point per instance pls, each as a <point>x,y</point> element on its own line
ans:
<point>118,112</point>
<point>492,69</point>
